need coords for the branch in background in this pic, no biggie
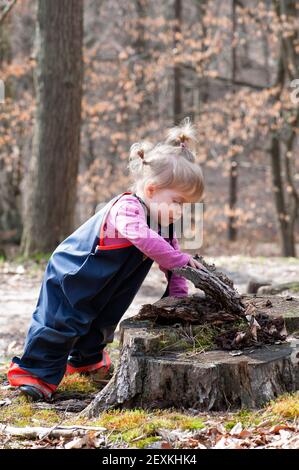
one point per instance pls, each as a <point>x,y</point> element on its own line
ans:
<point>228,80</point>
<point>6,10</point>
<point>241,83</point>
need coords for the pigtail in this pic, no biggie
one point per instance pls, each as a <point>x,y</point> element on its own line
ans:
<point>137,157</point>
<point>184,136</point>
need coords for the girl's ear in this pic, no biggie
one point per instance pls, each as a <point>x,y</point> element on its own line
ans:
<point>149,190</point>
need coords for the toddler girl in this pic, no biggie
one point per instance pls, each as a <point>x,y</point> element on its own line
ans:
<point>94,274</point>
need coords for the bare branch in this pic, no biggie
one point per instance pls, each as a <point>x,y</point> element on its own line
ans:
<point>6,10</point>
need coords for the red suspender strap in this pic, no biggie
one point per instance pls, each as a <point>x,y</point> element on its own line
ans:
<point>101,245</point>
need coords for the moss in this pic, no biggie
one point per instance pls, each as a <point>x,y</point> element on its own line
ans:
<point>17,415</point>
<point>130,425</point>
<point>193,423</point>
<point>78,420</point>
<point>246,417</point>
<point>22,413</point>
<point>285,406</point>
<point>143,443</point>
<point>119,420</point>
<point>127,436</point>
<point>77,383</point>
<point>46,416</point>
<point>196,338</point>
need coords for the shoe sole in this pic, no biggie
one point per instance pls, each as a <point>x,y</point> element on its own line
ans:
<point>31,393</point>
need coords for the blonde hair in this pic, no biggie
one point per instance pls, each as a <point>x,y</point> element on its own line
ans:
<point>170,164</point>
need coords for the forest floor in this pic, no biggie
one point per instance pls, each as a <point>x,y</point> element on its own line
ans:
<point>274,426</point>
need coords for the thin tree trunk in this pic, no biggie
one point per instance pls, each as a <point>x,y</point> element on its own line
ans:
<point>286,235</point>
<point>56,143</point>
<point>233,170</point>
<point>201,90</point>
<point>5,11</point>
<point>140,48</point>
<point>177,97</point>
<point>286,203</point>
<point>10,180</point>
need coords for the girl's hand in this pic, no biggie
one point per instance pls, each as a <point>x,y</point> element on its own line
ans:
<point>195,264</point>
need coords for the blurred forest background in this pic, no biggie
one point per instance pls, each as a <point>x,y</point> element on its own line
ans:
<point>85,79</point>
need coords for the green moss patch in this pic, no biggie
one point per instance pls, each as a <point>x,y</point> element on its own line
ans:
<point>23,413</point>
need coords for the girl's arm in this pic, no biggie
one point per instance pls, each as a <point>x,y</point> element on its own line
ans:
<point>129,220</point>
<point>178,286</point>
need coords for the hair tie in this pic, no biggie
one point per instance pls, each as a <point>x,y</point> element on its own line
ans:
<point>141,155</point>
<point>182,140</point>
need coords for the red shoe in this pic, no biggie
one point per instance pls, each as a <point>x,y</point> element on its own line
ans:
<point>29,384</point>
<point>102,370</point>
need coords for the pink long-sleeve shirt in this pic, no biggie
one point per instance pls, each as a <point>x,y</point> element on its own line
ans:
<point>126,222</point>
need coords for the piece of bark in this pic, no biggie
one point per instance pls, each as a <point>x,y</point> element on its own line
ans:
<point>215,284</point>
<point>193,309</point>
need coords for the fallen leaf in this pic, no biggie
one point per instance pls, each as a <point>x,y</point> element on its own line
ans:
<point>236,429</point>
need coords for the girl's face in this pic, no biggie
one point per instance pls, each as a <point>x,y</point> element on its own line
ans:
<point>166,205</point>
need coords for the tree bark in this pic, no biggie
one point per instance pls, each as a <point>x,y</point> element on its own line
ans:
<point>233,169</point>
<point>287,204</point>
<point>10,180</point>
<point>56,144</point>
<point>215,284</point>
<point>287,240</point>
<point>8,7</point>
<point>177,71</point>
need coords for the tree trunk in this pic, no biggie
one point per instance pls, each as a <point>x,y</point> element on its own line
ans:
<point>10,180</point>
<point>56,143</point>
<point>286,204</point>
<point>201,89</point>
<point>139,63</point>
<point>287,240</point>
<point>233,169</point>
<point>177,71</point>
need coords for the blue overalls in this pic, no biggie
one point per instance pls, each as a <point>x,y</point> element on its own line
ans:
<point>86,289</point>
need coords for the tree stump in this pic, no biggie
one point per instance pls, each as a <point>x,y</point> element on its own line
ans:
<point>249,363</point>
